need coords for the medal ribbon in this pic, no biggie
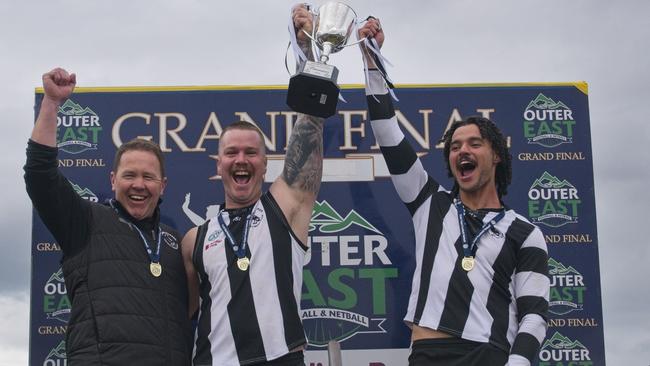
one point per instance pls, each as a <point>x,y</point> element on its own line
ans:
<point>240,250</point>
<point>153,256</point>
<point>469,249</point>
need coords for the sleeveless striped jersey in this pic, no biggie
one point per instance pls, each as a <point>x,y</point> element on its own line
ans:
<point>248,317</point>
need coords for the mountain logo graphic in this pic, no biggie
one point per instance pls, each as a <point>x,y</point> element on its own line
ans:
<point>85,193</point>
<point>78,128</point>
<point>327,220</point>
<point>549,181</point>
<point>56,277</point>
<point>57,353</point>
<point>559,348</point>
<point>553,202</point>
<point>557,268</point>
<point>548,123</point>
<point>543,102</point>
<point>70,108</point>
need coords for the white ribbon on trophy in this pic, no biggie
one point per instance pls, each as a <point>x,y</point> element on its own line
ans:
<point>335,22</point>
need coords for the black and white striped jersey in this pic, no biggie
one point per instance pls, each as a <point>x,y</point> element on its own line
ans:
<point>248,317</point>
<point>504,299</point>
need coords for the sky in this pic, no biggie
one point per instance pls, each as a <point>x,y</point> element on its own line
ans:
<point>194,42</point>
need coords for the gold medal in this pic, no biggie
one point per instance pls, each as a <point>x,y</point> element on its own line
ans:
<point>155,268</point>
<point>243,263</point>
<point>467,263</point>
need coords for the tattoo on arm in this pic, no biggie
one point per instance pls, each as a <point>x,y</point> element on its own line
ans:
<point>303,164</point>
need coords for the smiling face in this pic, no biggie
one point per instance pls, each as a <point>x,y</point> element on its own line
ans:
<point>472,160</point>
<point>242,165</point>
<point>138,183</point>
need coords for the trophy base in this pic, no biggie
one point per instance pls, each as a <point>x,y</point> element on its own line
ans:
<point>313,90</point>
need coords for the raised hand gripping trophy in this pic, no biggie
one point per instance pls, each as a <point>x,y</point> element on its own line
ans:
<point>313,89</point>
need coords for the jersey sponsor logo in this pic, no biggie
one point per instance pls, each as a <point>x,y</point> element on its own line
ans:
<point>215,238</point>
<point>567,292</point>
<point>548,123</point>
<point>78,128</point>
<point>56,304</point>
<point>170,240</point>
<point>562,351</point>
<point>553,202</point>
<point>350,296</point>
<point>56,356</point>
<point>85,193</point>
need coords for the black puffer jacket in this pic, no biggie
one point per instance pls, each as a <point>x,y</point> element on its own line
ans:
<point>121,314</point>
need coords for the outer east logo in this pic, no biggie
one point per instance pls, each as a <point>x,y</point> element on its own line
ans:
<point>553,202</point>
<point>78,128</point>
<point>562,351</point>
<point>56,304</point>
<point>548,123</point>
<point>347,297</point>
<point>567,292</point>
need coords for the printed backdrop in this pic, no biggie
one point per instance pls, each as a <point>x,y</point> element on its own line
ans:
<point>357,282</point>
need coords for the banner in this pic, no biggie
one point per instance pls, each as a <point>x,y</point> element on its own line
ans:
<point>358,277</point>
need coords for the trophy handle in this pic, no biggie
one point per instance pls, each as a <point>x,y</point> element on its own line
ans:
<point>356,42</point>
<point>308,35</point>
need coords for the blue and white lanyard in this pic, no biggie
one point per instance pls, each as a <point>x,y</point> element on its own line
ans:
<point>469,249</point>
<point>153,256</point>
<point>238,249</point>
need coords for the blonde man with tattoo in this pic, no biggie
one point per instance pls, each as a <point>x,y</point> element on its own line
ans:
<point>244,266</point>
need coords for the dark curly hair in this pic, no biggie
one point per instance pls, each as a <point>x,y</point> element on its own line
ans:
<point>489,131</point>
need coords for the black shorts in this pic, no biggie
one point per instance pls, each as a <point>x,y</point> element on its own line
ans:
<point>455,352</point>
<point>290,359</point>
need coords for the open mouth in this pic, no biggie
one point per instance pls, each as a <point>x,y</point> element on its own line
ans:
<point>136,197</point>
<point>466,167</point>
<point>241,177</point>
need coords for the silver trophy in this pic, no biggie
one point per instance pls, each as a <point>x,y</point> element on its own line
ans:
<point>313,89</point>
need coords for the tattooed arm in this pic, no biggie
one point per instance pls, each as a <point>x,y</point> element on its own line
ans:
<point>296,188</point>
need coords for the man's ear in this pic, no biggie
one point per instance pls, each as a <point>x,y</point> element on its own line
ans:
<point>163,184</point>
<point>113,181</point>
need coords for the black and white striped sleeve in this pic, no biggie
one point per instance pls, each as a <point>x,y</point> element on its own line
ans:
<point>532,286</point>
<point>406,170</point>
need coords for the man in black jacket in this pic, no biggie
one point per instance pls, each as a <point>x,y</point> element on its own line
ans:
<point>123,269</point>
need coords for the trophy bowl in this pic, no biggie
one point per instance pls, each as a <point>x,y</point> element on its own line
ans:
<point>313,89</point>
<point>334,24</point>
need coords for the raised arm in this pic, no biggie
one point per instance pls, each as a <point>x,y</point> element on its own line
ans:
<point>406,170</point>
<point>59,206</point>
<point>296,188</point>
<point>58,85</point>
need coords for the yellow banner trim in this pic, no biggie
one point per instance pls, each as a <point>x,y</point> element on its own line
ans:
<point>580,85</point>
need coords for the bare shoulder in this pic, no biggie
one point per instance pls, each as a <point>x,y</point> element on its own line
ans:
<point>187,244</point>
